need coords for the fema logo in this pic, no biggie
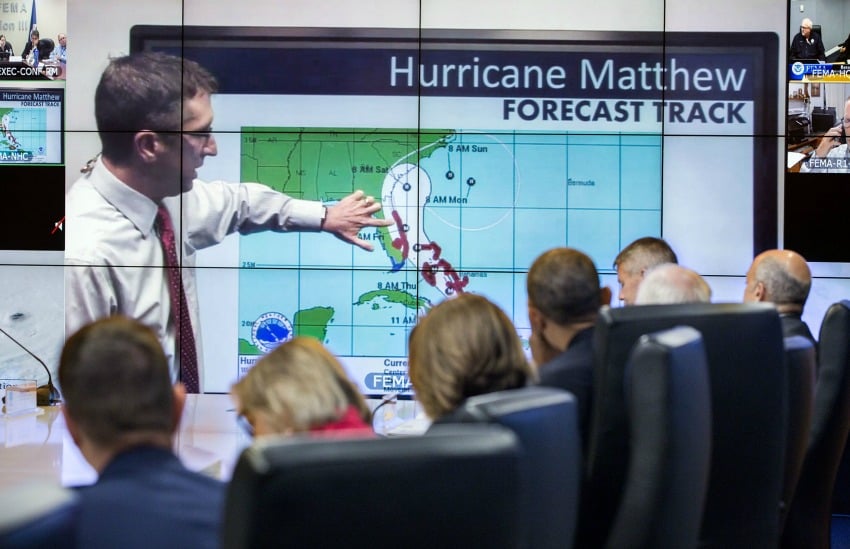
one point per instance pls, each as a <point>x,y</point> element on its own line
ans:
<point>797,69</point>
<point>270,330</point>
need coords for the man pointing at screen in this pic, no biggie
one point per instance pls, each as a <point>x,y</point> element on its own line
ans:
<point>138,213</point>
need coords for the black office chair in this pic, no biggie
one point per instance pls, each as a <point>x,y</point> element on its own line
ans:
<point>800,365</point>
<point>808,522</point>
<point>743,343</point>
<point>669,407</point>
<point>545,420</point>
<point>456,486</point>
<point>45,47</point>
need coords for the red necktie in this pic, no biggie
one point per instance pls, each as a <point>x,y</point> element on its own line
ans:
<point>186,348</point>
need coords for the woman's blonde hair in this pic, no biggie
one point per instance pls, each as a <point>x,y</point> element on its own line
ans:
<point>464,346</point>
<point>297,387</point>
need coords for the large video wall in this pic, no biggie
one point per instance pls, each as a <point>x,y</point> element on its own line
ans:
<point>491,131</point>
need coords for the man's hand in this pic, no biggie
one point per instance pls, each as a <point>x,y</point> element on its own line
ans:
<point>828,142</point>
<point>352,213</point>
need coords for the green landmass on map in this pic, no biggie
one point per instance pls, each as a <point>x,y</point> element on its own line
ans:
<point>313,322</point>
<point>329,163</point>
<point>3,139</point>
<point>308,322</point>
<point>395,296</point>
<point>248,348</point>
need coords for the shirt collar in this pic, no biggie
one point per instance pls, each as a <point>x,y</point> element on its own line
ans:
<point>138,208</point>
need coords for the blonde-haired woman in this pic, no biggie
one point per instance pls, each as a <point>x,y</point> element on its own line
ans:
<point>463,347</point>
<point>300,387</point>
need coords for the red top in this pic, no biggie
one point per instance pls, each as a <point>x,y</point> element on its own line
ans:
<point>349,424</point>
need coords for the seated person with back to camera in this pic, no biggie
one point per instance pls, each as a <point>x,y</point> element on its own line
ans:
<point>464,346</point>
<point>300,387</point>
<point>564,297</point>
<point>123,412</point>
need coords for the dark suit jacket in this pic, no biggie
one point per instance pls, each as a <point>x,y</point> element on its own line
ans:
<point>793,325</point>
<point>27,49</point>
<point>843,56</point>
<point>572,371</point>
<point>146,498</point>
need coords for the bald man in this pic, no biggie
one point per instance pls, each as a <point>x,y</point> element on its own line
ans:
<point>671,283</point>
<point>782,277</point>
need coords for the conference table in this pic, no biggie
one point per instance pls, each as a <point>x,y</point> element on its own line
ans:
<point>36,445</point>
<point>17,68</point>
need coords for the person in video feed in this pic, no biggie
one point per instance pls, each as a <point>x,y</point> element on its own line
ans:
<point>31,45</point>
<point>844,50</point>
<point>831,154</point>
<point>5,46</point>
<point>807,44</point>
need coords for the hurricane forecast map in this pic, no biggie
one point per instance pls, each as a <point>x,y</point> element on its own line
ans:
<point>470,211</point>
<point>31,126</point>
<point>22,134</point>
<point>485,149</point>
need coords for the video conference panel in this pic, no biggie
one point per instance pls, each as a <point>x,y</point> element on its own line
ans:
<point>817,90</point>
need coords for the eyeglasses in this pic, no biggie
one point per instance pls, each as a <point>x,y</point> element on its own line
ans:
<point>201,135</point>
<point>805,28</point>
<point>245,424</point>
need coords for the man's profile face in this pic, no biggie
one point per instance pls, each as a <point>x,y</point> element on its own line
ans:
<point>749,289</point>
<point>629,280</point>
<point>62,40</point>
<point>197,140</point>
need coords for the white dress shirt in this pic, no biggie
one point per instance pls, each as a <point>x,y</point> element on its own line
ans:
<point>114,259</point>
<point>839,162</point>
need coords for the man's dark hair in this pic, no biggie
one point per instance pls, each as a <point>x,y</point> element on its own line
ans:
<point>115,380</point>
<point>563,284</point>
<point>645,253</point>
<point>144,91</point>
<point>34,34</point>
